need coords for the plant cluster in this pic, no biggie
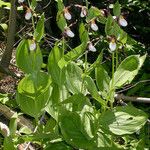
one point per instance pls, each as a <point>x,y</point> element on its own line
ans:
<point>77,96</point>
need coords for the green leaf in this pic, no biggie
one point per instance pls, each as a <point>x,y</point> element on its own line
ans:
<point>33,93</point>
<point>127,70</point>
<point>102,80</point>
<point>13,124</point>
<point>75,53</point>
<point>28,61</point>
<point>33,4</point>
<point>57,73</point>
<point>4,98</point>
<point>96,63</point>
<point>90,85</point>
<point>4,26</point>
<point>117,9</point>
<point>77,103</point>
<point>72,130</point>
<point>112,28</point>
<point>74,78</point>
<point>108,25</point>
<point>93,12</point>
<point>89,124</point>
<point>58,146</point>
<point>25,130</point>
<point>60,4</point>
<point>83,33</point>
<point>39,31</point>
<point>104,141</point>
<point>8,144</point>
<point>123,120</point>
<point>58,95</point>
<point>3,3</point>
<point>60,19</point>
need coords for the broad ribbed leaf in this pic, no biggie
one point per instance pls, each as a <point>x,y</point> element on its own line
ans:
<point>102,79</point>
<point>127,70</point>
<point>123,120</point>
<point>91,87</point>
<point>33,93</point>
<point>72,130</point>
<point>57,73</point>
<point>58,146</point>
<point>75,53</point>
<point>73,78</point>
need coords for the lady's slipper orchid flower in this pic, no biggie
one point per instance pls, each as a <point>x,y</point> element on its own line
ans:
<point>32,45</point>
<point>91,47</point>
<point>4,129</point>
<point>67,14</point>
<point>83,12</point>
<point>94,26</point>
<point>28,14</point>
<point>112,44</point>
<point>122,21</point>
<point>69,33</point>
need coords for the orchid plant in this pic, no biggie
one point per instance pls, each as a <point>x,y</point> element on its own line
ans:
<point>79,98</point>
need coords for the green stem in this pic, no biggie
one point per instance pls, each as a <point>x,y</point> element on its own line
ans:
<point>32,16</point>
<point>85,62</point>
<point>116,59</point>
<point>85,70</point>
<point>112,85</point>
<point>63,46</point>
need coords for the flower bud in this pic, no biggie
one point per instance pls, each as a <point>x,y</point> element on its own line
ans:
<point>20,1</point>
<point>91,47</point>
<point>69,32</point>
<point>112,45</point>
<point>28,14</point>
<point>83,12</point>
<point>94,27</point>
<point>67,15</point>
<point>32,46</point>
<point>122,21</point>
<point>4,129</point>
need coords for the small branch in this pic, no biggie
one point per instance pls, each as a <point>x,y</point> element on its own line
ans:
<point>132,99</point>
<point>132,86</point>
<point>8,113</point>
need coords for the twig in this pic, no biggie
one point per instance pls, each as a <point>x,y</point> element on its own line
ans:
<point>8,113</point>
<point>47,5</point>
<point>132,86</point>
<point>132,99</point>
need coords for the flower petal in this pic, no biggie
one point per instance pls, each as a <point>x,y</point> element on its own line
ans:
<point>28,15</point>
<point>112,46</point>
<point>91,47</point>
<point>4,129</point>
<point>67,15</point>
<point>123,22</point>
<point>69,33</point>
<point>94,27</point>
<point>32,46</point>
<point>83,12</point>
